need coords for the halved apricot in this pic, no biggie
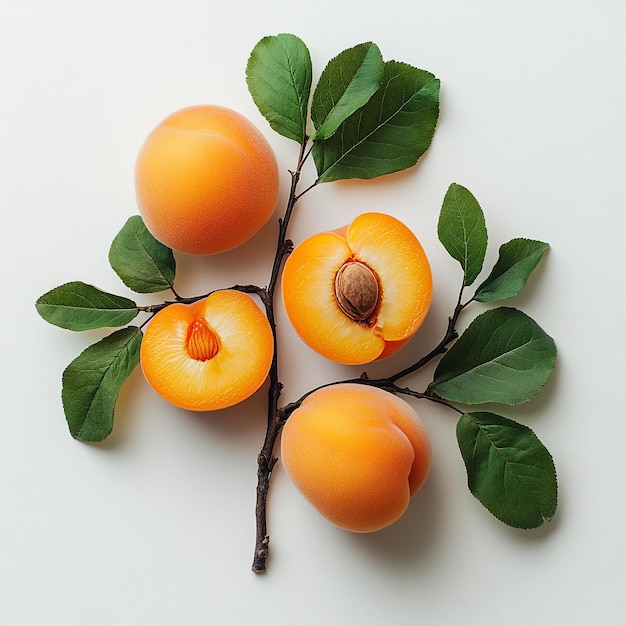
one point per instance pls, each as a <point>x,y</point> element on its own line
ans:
<point>208,355</point>
<point>359,293</point>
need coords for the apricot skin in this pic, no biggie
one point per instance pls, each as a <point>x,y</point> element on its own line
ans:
<point>357,453</point>
<point>206,180</point>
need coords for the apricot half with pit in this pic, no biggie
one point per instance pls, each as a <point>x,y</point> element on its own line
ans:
<point>358,293</point>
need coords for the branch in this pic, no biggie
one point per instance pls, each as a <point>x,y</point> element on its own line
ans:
<point>153,309</point>
<point>266,459</point>
<point>450,335</point>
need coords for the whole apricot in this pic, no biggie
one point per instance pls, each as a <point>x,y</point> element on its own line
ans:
<point>357,453</point>
<point>208,355</point>
<point>359,293</point>
<point>206,180</point>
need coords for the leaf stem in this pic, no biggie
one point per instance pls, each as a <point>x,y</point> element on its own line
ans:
<point>306,190</point>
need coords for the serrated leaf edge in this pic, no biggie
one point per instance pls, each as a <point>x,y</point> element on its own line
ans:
<point>539,252</point>
<point>544,517</point>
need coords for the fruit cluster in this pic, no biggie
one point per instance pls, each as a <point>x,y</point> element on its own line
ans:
<point>207,181</point>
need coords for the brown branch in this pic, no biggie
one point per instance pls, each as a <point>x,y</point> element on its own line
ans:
<point>153,309</point>
<point>266,459</point>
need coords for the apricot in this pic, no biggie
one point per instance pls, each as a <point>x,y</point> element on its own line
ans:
<point>359,293</point>
<point>357,453</point>
<point>208,355</point>
<point>206,180</point>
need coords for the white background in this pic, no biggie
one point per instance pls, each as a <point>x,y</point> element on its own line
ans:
<point>156,525</point>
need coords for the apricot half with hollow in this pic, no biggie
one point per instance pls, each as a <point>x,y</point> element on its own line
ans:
<point>208,355</point>
<point>359,293</point>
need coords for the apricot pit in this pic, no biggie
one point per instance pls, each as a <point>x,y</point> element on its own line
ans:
<point>357,290</point>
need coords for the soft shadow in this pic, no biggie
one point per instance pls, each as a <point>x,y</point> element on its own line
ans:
<point>393,178</point>
<point>127,405</point>
<point>196,275</point>
<point>541,534</point>
<point>425,339</point>
<point>244,423</point>
<point>414,537</point>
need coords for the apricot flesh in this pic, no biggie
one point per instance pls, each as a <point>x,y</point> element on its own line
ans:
<point>208,355</point>
<point>206,180</point>
<point>359,293</point>
<point>357,453</point>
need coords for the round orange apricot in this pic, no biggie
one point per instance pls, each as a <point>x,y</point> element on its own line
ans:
<point>357,453</point>
<point>208,355</point>
<point>359,293</point>
<point>206,180</point>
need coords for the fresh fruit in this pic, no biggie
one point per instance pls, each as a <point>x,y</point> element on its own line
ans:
<point>210,354</point>
<point>357,453</point>
<point>206,180</point>
<point>359,293</point>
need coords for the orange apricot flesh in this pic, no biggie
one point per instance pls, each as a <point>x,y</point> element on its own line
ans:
<point>206,180</point>
<point>357,453</point>
<point>397,263</point>
<point>208,355</point>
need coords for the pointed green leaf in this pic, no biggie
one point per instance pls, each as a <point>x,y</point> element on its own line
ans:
<point>346,84</point>
<point>516,261</point>
<point>144,264</point>
<point>79,306</point>
<point>389,133</point>
<point>92,381</point>
<point>279,74</point>
<point>508,469</point>
<point>462,230</point>
<point>503,356</point>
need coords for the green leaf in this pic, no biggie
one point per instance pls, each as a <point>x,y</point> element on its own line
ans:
<point>279,74</point>
<point>516,261</point>
<point>462,230</point>
<point>346,84</point>
<point>144,264</point>
<point>503,356</point>
<point>508,469</point>
<point>79,306</point>
<point>389,133</point>
<point>92,381</point>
